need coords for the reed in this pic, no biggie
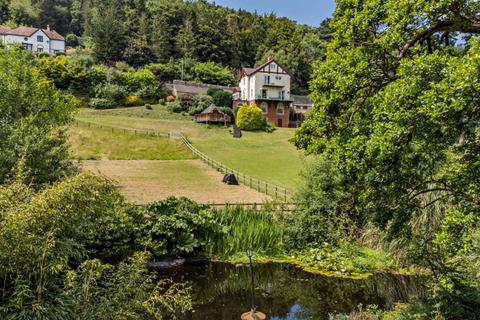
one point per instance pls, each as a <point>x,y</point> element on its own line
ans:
<point>247,229</point>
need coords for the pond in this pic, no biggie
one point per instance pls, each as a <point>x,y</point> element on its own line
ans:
<point>285,292</point>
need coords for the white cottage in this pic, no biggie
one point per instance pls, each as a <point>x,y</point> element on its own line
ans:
<point>268,86</point>
<point>34,39</point>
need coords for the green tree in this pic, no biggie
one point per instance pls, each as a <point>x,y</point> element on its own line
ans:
<point>209,72</point>
<point>107,32</point>
<point>33,113</point>
<point>397,117</point>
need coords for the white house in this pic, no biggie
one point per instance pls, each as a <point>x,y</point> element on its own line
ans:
<point>34,39</point>
<point>268,86</point>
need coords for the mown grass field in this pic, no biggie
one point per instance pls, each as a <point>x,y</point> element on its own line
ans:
<point>268,156</point>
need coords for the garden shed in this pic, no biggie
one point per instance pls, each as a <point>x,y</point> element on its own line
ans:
<point>212,114</point>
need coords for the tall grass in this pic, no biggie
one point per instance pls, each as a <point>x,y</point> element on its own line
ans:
<point>247,229</point>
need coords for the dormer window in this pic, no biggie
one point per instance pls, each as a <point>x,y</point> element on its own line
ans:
<point>39,38</point>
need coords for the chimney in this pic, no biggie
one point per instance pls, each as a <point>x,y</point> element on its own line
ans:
<point>48,27</point>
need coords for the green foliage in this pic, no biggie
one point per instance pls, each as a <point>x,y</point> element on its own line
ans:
<point>71,40</point>
<point>247,229</point>
<point>209,72</point>
<point>32,143</point>
<point>61,72</point>
<point>250,118</point>
<point>179,227</point>
<point>319,217</point>
<point>101,103</point>
<point>220,97</point>
<point>54,245</point>
<point>111,91</point>
<point>200,103</point>
<point>398,119</point>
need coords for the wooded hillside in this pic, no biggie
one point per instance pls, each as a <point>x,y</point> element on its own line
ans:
<point>144,31</point>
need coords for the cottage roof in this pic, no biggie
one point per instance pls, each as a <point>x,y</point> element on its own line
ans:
<point>29,31</point>
<point>302,100</point>
<point>4,30</point>
<point>251,71</point>
<point>211,108</point>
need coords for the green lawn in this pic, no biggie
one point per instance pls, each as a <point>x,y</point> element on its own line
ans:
<point>268,156</point>
<point>97,144</point>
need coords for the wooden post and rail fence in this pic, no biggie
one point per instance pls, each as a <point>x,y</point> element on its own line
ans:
<point>276,192</point>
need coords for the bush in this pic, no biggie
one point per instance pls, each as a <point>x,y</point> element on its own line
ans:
<point>220,97</point>
<point>170,98</point>
<point>43,54</point>
<point>186,101</point>
<point>200,103</point>
<point>99,103</point>
<point>175,107</point>
<point>250,118</point>
<point>134,81</point>
<point>133,101</point>
<point>148,107</point>
<point>179,227</point>
<point>61,72</point>
<point>72,40</point>
<point>110,91</point>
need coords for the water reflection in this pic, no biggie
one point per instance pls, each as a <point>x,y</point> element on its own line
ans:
<point>284,292</point>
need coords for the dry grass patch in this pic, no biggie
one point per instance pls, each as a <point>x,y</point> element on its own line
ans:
<point>147,181</point>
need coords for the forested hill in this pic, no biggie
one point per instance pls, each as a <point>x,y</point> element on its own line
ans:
<point>145,31</point>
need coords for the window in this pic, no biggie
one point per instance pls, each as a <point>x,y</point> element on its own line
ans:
<point>273,66</point>
<point>264,94</point>
<point>281,95</point>
<point>266,79</point>
<point>27,46</point>
<point>278,78</point>
<point>39,38</point>
<point>264,107</point>
<point>280,108</point>
<point>39,49</point>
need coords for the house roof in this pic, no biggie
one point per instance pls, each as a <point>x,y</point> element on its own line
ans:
<point>4,30</point>
<point>302,100</point>
<point>211,108</point>
<point>251,71</point>
<point>29,31</point>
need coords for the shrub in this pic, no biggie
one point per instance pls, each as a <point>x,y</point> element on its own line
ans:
<point>250,118</point>
<point>133,101</point>
<point>170,98</point>
<point>165,72</point>
<point>110,91</point>
<point>99,103</point>
<point>72,40</point>
<point>200,103</point>
<point>134,81</point>
<point>148,107</point>
<point>220,97</point>
<point>44,54</point>
<point>61,72</point>
<point>179,227</point>
<point>186,101</point>
<point>175,107</point>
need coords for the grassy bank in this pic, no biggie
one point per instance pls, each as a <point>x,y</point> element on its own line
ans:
<point>98,144</point>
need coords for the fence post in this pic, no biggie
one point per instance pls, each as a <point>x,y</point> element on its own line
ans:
<point>285,195</point>
<point>276,193</point>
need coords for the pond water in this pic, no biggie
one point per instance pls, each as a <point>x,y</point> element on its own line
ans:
<point>222,291</point>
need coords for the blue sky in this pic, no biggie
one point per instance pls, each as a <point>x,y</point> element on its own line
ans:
<point>310,12</point>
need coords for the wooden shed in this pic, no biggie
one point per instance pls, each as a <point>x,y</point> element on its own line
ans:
<point>213,114</point>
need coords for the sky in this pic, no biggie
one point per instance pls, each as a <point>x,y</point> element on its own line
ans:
<point>310,12</point>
